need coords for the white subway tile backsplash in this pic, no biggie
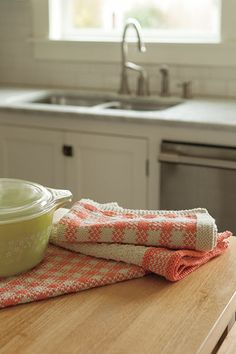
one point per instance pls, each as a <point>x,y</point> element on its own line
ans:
<point>223,73</point>
<point>213,88</point>
<point>231,88</point>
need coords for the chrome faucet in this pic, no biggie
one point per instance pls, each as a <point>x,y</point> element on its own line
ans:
<point>142,87</point>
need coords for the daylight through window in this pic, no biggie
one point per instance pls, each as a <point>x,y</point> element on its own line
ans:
<point>197,19</point>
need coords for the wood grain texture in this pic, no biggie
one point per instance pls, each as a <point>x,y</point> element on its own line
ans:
<point>147,315</point>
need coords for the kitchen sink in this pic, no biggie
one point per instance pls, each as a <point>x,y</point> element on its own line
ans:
<point>138,106</point>
<point>70,100</point>
<point>110,101</point>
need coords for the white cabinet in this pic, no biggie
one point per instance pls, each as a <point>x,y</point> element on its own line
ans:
<point>107,168</point>
<point>32,154</point>
<point>102,167</point>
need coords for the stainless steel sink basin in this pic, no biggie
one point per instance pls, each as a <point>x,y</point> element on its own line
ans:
<point>138,106</point>
<point>110,101</point>
<point>70,100</point>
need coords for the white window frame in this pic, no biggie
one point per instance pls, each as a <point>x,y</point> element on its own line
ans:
<point>102,51</point>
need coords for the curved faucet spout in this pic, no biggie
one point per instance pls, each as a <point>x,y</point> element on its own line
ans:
<point>131,22</point>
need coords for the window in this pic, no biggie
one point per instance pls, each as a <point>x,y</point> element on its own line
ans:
<point>173,20</point>
<point>191,32</point>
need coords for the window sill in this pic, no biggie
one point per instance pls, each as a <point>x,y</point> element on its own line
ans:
<point>201,54</point>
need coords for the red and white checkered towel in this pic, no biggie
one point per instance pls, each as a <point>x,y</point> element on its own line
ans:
<point>91,222</point>
<point>63,272</point>
<point>172,244</point>
<point>112,245</point>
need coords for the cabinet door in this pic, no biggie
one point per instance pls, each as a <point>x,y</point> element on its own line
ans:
<point>32,154</point>
<point>108,168</point>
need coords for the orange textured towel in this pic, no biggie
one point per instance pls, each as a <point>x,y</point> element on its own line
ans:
<point>96,264</point>
<point>110,232</point>
<point>88,221</point>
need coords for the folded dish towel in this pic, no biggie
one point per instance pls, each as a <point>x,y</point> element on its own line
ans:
<point>124,244</point>
<point>91,222</point>
<point>168,243</point>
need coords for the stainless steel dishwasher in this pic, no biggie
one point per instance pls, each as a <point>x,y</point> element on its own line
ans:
<point>194,175</point>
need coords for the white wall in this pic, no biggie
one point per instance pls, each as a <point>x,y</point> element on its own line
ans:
<point>19,67</point>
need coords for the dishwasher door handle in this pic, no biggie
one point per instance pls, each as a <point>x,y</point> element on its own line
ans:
<point>198,161</point>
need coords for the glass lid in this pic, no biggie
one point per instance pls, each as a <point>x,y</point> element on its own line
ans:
<point>19,199</point>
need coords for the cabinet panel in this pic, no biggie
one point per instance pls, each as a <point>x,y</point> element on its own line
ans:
<point>108,168</point>
<point>32,154</point>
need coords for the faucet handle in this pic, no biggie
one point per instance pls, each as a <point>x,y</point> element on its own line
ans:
<point>165,89</point>
<point>164,69</point>
<point>143,84</point>
<point>186,89</point>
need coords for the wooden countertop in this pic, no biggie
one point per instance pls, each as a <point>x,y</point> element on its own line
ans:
<point>147,315</point>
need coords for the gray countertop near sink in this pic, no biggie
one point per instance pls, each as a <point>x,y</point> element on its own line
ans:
<point>208,112</point>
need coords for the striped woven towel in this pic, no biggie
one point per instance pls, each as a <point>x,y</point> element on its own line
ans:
<point>171,244</point>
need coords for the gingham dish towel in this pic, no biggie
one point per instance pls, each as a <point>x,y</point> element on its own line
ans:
<point>88,221</point>
<point>62,272</point>
<point>158,241</point>
<point>96,264</point>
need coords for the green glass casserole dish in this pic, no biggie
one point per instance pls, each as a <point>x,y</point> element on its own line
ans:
<point>26,213</point>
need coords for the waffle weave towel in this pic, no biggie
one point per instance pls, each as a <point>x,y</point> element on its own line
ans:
<point>88,221</point>
<point>161,242</point>
<point>113,245</point>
